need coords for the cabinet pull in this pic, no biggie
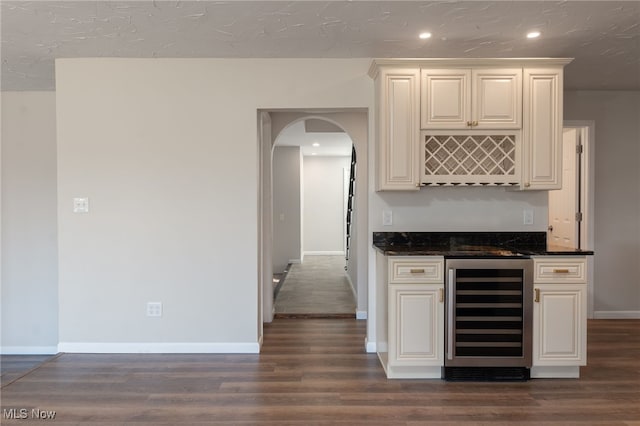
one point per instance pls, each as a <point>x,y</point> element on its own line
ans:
<point>474,123</point>
<point>450,296</point>
<point>441,291</point>
<point>537,298</point>
<point>560,271</point>
<point>417,271</point>
<point>469,123</point>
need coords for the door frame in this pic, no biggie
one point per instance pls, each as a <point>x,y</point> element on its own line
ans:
<point>355,122</point>
<point>585,130</point>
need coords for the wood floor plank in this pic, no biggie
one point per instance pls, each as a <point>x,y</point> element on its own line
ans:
<point>315,372</point>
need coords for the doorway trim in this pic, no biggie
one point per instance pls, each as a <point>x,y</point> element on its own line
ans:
<point>355,122</point>
<point>586,134</point>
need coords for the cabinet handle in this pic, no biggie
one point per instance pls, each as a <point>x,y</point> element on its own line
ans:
<point>450,324</point>
<point>469,123</point>
<point>560,271</point>
<point>527,184</point>
<point>537,298</point>
<point>417,271</point>
<point>441,291</point>
<point>474,123</point>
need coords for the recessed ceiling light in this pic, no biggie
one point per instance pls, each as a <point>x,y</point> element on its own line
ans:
<point>425,36</point>
<point>533,34</point>
<point>315,144</point>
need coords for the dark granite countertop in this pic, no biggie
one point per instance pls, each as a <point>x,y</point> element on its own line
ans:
<point>470,244</point>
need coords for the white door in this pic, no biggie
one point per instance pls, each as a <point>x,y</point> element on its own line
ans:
<point>563,203</point>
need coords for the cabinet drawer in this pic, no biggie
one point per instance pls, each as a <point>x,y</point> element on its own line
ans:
<point>413,269</point>
<point>560,270</point>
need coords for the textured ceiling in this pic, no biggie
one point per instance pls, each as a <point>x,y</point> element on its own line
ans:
<point>603,36</point>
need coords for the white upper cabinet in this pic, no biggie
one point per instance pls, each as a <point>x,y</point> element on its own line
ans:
<point>478,98</point>
<point>542,130</point>
<point>497,98</point>
<point>398,103</point>
<point>422,102</point>
<point>445,98</point>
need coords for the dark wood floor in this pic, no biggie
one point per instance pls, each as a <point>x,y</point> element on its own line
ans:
<point>314,372</point>
<point>13,367</point>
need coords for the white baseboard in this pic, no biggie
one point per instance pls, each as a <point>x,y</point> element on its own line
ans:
<point>542,372</point>
<point>324,253</point>
<point>616,315</point>
<point>28,350</point>
<point>297,261</point>
<point>370,347</point>
<point>160,348</point>
<point>361,315</point>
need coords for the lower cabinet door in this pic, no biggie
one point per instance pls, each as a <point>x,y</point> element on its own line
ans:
<point>559,325</point>
<point>416,337</point>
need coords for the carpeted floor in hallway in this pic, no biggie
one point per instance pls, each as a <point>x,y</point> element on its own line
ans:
<point>317,286</point>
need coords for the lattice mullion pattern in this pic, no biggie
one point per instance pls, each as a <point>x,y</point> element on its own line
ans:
<point>472,155</point>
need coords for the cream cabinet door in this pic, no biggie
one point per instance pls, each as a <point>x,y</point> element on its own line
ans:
<point>542,129</point>
<point>497,98</point>
<point>445,98</point>
<point>483,98</point>
<point>416,335</point>
<point>560,322</point>
<point>398,102</point>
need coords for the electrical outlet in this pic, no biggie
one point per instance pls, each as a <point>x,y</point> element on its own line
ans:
<point>81,205</point>
<point>528,217</point>
<point>387,218</point>
<point>154,309</point>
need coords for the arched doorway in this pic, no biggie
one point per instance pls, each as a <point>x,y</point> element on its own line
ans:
<point>313,205</point>
<point>354,122</point>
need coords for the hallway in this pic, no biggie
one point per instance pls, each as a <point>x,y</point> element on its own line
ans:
<point>318,287</point>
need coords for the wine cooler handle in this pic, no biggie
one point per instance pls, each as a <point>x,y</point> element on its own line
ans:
<point>449,299</point>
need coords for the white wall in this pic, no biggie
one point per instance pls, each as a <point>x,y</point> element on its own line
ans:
<point>324,213</point>
<point>460,209</point>
<point>287,176</point>
<point>181,127</point>
<point>167,152</point>
<point>617,196</point>
<point>29,240</point>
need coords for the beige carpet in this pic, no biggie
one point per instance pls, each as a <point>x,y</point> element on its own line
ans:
<point>317,286</point>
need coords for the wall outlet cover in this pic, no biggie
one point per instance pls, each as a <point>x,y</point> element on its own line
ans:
<point>81,205</point>
<point>387,217</point>
<point>154,309</point>
<point>528,217</point>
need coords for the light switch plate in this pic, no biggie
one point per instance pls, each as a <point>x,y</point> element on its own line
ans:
<point>81,205</point>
